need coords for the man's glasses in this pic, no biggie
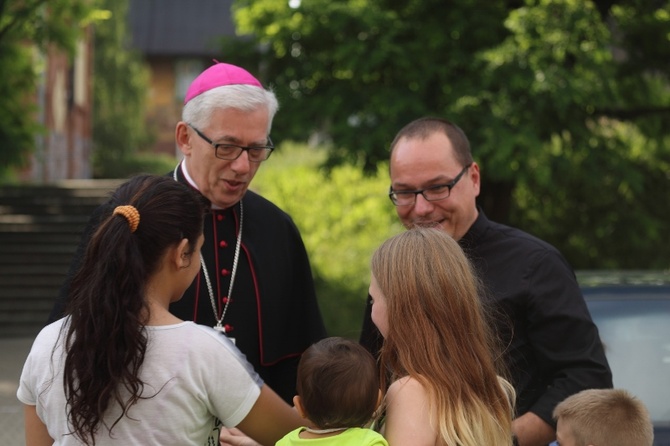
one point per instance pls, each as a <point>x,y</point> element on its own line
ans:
<point>432,193</point>
<point>227,151</point>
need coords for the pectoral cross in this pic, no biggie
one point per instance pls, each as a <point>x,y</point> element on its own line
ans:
<point>220,328</point>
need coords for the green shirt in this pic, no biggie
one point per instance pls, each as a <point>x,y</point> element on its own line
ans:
<point>354,436</point>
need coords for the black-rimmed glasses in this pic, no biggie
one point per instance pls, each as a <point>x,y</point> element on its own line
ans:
<point>227,151</point>
<point>432,193</point>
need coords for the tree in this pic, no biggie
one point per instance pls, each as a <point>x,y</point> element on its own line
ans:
<point>596,162</point>
<point>357,69</point>
<point>340,243</point>
<point>565,102</point>
<point>24,25</point>
<point>119,109</point>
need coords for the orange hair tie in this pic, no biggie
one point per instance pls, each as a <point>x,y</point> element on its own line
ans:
<point>131,214</point>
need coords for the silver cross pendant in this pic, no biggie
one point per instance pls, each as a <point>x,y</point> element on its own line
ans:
<point>221,329</point>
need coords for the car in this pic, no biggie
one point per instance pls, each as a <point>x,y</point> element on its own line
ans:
<point>632,312</point>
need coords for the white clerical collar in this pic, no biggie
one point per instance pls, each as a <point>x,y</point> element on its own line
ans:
<point>187,176</point>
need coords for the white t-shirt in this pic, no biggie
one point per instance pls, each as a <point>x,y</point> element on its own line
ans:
<point>195,375</point>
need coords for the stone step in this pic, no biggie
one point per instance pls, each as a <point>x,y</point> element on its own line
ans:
<point>22,324</point>
<point>22,298</point>
<point>69,187</point>
<point>48,202</point>
<point>20,330</point>
<point>38,233</point>
<point>38,257</point>
<point>64,209</point>
<point>39,243</point>
<point>31,268</point>
<point>40,229</point>
<point>52,281</point>
<point>49,229</point>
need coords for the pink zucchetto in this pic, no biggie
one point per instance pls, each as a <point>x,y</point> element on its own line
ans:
<point>217,76</point>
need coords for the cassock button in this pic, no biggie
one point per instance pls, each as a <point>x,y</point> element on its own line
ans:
<point>225,300</point>
<point>220,217</point>
<point>223,244</point>
<point>229,328</point>
<point>225,272</point>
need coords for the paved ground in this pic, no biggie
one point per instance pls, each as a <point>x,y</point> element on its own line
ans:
<point>13,353</point>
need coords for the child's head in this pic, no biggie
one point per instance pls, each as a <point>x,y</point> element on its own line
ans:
<point>603,417</point>
<point>427,307</point>
<point>338,384</point>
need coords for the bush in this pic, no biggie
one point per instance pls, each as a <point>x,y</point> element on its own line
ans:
<point>343,216</point>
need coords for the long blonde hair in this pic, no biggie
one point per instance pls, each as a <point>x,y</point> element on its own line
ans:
<point>438,335</point>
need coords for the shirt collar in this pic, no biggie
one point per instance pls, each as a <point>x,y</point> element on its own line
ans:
<point>476,231</point>
<point>188,178</point>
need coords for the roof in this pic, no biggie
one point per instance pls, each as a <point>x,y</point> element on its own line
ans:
<point>179,27</point>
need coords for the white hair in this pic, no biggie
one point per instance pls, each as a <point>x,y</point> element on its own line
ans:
<point>198,110</point>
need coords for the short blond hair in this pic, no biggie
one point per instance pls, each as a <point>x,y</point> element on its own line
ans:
<point>611,417</point>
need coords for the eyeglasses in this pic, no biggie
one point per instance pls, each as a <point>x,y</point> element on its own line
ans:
<point>432,193</point>
<point>227,151</point>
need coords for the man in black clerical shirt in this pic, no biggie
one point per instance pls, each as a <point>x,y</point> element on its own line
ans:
<point>552,347</point>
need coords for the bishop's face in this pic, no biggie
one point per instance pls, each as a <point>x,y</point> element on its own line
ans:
<point>224,182</point>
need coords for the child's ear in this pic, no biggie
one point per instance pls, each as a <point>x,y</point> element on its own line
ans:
<point>297,402</point>
<point>182,258</point>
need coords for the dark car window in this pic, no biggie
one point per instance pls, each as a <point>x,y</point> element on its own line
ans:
<point>636,335</point>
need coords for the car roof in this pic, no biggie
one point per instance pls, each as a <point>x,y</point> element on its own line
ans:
<point>628,278</point>
<point>624,285</point>
<point>631,309</point>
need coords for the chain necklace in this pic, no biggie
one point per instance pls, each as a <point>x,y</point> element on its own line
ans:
<point>219,321</point>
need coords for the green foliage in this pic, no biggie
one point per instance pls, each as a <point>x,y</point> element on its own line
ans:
<point>121,83</point>
<point>614,214</point>
<point>359,70</point>
<point>565,102</point>
<point>26,26</point>
<point>17,130</point>
<point>42,23</point>
<point>342,215</point>
<point>596,177</point>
